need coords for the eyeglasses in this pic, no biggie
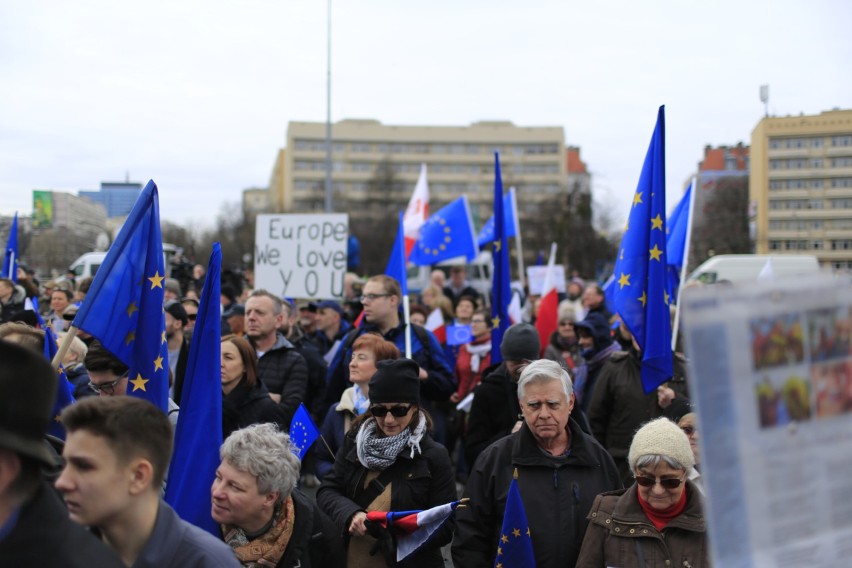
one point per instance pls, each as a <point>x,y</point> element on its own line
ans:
<point>477,321</point>
<point>191,317</point>
<point>688,430</point>
<point>396,411</point>
<point>107,388</point>
<point>665,482</point>
<point>367,298</point>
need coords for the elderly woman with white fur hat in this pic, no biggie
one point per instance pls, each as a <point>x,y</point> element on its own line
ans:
<point>658,521</point>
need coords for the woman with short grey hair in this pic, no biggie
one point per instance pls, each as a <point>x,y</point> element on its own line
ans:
<point>659,520</point>
<point>261,514</point>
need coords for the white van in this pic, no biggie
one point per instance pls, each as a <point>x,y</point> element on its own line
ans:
<point>87,265</point>
<point>746,267</point>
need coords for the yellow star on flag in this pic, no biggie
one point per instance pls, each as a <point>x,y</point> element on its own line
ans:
<point>57,419</point>
<point>624,280</point>
<point>657,222</point>
<point>516,533</point>
<point>499,550</point>
<point>131,309</point>
<point>163,337</point>
<point>139,383</point>
<point>643,298</point>
<point>158,363</point>
<point>656,253</point>
<point>447,230</point>
<point>666,297</point>
<point>498,245</point>
<point>495,321</point>
<point>504,538</point>
<point>156,280</point>
<point>128,339</point>
<point>528,531</point>
<point>637,199</point>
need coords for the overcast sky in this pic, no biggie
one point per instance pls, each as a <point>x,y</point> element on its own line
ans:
<point>197,94</point>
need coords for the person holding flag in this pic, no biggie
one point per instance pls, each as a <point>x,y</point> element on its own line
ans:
<point>389,462</point>
<point>560,471</point>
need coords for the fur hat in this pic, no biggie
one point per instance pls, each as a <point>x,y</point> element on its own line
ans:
<point>521,342</point>
<point>661,437</point>
<point>395,380</point>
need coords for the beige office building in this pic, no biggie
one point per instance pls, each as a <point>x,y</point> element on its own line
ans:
<point>373,163</point>
<point>801,185</point>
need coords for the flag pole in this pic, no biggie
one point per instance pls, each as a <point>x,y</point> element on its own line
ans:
<point>11,275</point>
<point>327,447</point>
<point>685,260</point>
<point>406,314</point>
<point>63,348</point>
<point>518,245</point>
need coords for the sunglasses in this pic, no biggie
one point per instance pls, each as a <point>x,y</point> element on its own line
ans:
<point>396,411</point>
<point>191,317</point>
<point>666,483</point>
<point>688,430</point>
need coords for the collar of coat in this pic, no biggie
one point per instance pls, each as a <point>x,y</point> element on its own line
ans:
<point>526,452</point>
<point>627,512</point>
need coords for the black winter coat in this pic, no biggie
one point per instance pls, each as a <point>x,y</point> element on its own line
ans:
<point>494,411</point>
<point>421,482</point>
<point>557,493</point>
<point>245,406</point>
<point>315,542</point>
<point>284,371</point>
<point>44,536</point>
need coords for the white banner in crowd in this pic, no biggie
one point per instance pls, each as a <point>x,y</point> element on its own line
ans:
<point>301,256</point>
<point>771,373</point>
<point>536,274</point>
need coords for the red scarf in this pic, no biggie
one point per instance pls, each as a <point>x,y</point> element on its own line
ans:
<point>661,518</point>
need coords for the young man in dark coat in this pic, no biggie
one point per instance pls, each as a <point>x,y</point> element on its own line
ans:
<point>34,526</point>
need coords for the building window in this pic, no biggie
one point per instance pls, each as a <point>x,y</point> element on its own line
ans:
<point>361,147</point>
<point>845,162</point>
<point>841,140</point>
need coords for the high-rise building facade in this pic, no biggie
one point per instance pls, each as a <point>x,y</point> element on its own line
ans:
<point>118,198</point>
<point>801,186</point>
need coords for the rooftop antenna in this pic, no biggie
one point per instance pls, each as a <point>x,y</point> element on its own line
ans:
<point>764,98</point>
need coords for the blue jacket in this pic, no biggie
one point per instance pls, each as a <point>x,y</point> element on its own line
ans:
<point>177,543</point>
<point>439,384</point>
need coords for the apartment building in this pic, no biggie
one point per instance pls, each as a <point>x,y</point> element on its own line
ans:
<point>801,186</point>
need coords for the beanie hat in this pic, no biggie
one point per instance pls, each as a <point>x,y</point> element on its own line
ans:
<point>661,437</point>
<point>521,342</point>
<point>395,380</point>
<point>177,311</point>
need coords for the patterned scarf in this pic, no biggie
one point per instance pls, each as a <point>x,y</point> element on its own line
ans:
<point>360,403</point>
<point>266,550</point>
<point>377,452</point>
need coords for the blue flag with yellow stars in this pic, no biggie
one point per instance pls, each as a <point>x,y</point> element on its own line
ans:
<point>641,288</point>
<point>124,306</point>
<point>515,549</point>
<point>487,234</point>
<point>501,291</point>
<point>445,235</point>
<point>303,431</point>
<point>10,256</point>
<point>198,435</point>
<point>396,267</point>
<point>64,396</point>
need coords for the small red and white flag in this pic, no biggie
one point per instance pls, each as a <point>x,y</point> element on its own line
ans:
<point>514,309</point>
<point>413,528</point>
<point>547,318</point>
<point>417,212</point>
<point>435,324</point>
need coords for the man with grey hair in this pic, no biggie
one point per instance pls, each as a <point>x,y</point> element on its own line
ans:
<point>559,470</point>
<point>279,365</point>
<point>262,516</point>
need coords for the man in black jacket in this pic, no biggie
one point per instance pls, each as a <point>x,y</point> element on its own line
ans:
<point>281,368</point>
<point>34,526</point>
<point>495,412</point>
<point>559,471</point>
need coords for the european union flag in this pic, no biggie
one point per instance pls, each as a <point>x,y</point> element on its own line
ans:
<point>510,210</point>
<point>445,235</point>
<point>676,254</point>
<point>303,431</point>
<point>501,292</point>
<point>64,396</point>
<point>199,429</point>
<point>10,255</point>
<point>396,267</point>
<point>515,547</point>
<point>641,295</point>
<point>124,306</point>
<point>459,334</point>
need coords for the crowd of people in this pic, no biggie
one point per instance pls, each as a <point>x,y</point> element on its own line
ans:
<point>608,474</point>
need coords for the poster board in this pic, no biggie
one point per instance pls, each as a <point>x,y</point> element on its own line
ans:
<point>301,256</point>
<point>536,275</point>
<point>771,374</point>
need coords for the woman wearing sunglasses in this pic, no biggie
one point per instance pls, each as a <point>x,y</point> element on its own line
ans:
<point>388,462</point>
<point>659,520</point>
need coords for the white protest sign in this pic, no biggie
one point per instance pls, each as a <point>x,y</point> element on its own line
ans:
<point>535,277</point>
<point>301,256</point>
